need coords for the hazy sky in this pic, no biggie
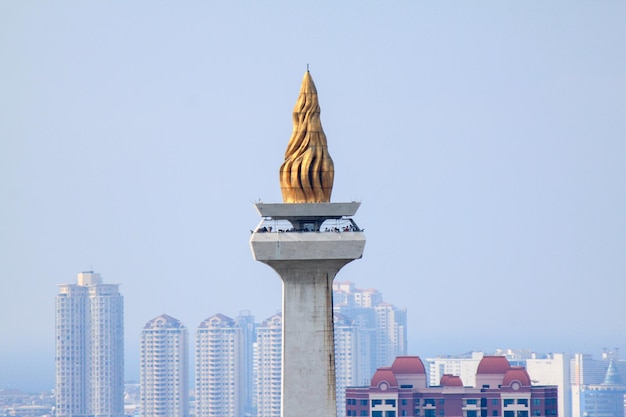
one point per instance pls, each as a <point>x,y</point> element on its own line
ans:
<point>485,140</point>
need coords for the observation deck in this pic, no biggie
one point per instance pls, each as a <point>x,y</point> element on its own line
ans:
<point>307,231</point>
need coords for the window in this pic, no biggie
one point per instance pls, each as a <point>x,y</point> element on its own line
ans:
<point>522,413</point>
<point>509,414</point>
<point>429,401</point>
<point>404,402</point>
<point>390,414</point>
<point>377,414</point>
<point>472,413</point>
<point>523,401</point>
<point>390,402</point>
<point>495,413</point>
<point>494,401</point>
<point>363,402</point>
<point>508,401</point>
<point>364,413</point>
<point>536,401</point>
<point>406,386</point>
<point>376,402</point>
<point>428,413</point>
<point>472,401</point>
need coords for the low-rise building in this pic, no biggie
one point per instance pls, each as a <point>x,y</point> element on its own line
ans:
<point>501,390</point>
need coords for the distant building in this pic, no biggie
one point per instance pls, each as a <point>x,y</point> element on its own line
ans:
<point>164,368</point>
<point>247,355</point>
<point>268,366</point>
<point>554,369</point>
<point>383,326</point>
<point>463,366</point>
<point>219,368</point>
<point>605,399</point>
<point>89,352</point>
<point>588,374</point>
<point>402,390</point>
<point>245,321</point>
<point>347,372</point>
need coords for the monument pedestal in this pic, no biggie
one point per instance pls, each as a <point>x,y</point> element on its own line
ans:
<point>307,261</point>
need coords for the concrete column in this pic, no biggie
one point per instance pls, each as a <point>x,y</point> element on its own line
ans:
<point>307,263</point>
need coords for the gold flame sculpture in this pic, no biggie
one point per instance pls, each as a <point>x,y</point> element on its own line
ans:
<point>308,172</point>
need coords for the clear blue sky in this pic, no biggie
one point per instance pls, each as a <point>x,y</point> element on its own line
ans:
<point>486,142</point>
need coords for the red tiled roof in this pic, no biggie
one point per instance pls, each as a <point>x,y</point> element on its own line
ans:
<point>451,381</point>
<point>384,374</point>
<point>404,365</point>
<point>493,365</point>
<point>516,373</point>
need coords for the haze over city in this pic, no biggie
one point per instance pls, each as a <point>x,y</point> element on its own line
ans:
<point>485,142</point>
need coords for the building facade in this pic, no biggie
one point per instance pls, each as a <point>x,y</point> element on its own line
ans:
<point>402,390</point>
<point>245,321</point>
<point>369,334</point>
<point>464,366</point>
<point>164,368</point>
<point>268,366</point>
<point>219,368</point>
<point>89,351</point>
<point>606,399</point>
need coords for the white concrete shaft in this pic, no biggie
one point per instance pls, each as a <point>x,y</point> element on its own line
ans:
<point>307,262</point>
<point>308,375</point>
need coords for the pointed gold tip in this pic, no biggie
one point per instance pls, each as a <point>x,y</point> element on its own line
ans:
<point>307,174</point>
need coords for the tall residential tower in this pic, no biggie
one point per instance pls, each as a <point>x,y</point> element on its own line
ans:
<point>164,369</point>
<point>220,382</point>
<point>89,348</point>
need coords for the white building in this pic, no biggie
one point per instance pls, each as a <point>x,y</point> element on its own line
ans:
<point>89,348</point>
<point>391,334</point>
<point>553,370</point>
<point>383,327</point>
<point>219,368</point>
<point>164,368</point>
<point>268,366</point>
<point>463,366</point>
<point>347,371</point>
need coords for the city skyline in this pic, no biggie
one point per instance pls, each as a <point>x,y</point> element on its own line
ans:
<point>487,141</point>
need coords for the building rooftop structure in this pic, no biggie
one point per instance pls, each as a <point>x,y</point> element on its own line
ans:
<point>401,390</point>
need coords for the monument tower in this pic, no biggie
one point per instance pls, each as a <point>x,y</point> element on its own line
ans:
<point>307,240</point>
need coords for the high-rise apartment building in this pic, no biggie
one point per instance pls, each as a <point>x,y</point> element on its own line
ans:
<point>245,321</point>
<point>268,366</point>
<point>89,352</point>
<point>367,331</point>
<point>347,370</point>
<point>164,368</point>
<point>220,379</point>
<point>383,326</point>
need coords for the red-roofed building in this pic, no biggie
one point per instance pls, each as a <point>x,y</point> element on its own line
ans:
<point>401,390</point>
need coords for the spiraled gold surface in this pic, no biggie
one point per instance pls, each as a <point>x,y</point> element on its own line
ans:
<point>307,174</point>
